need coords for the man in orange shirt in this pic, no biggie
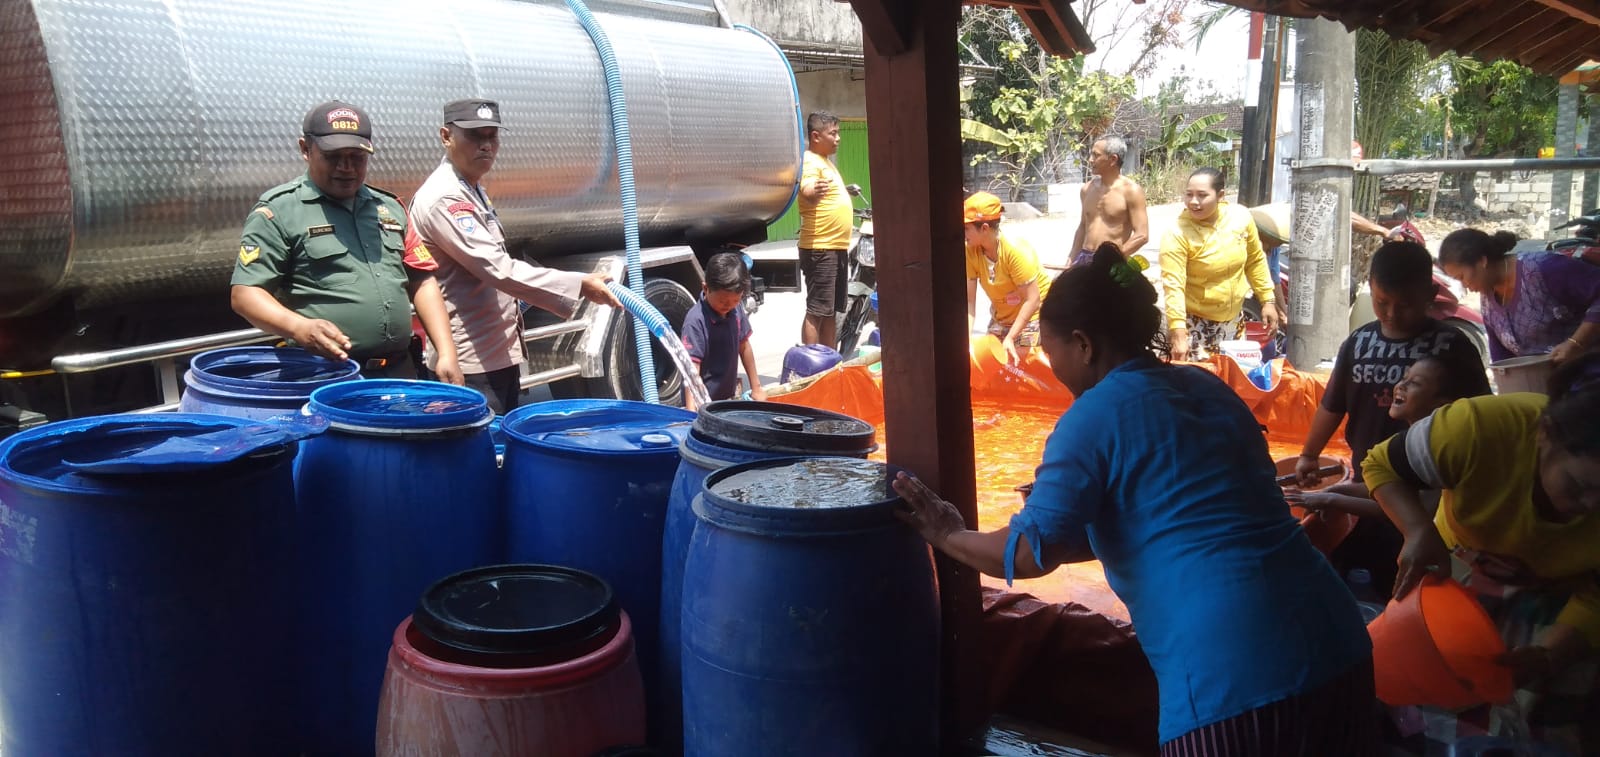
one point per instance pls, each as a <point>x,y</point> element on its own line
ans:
<point>825,217</point>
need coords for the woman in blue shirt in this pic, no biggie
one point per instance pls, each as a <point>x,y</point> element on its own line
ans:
<point>1162,473</point>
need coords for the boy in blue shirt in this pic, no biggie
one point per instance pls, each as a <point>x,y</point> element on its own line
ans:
<point>716,332</point>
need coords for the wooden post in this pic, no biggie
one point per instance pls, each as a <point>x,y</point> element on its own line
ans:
<point>913,113</point>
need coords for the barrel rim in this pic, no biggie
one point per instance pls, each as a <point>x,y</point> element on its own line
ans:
<point>474,415</point>
<point>616,652</point>
<point>789,521</point>
<point>712,424</point>
<point>448,630</point>
<point>511,425</point>
<point>59,432</point>
<point>199,377</point>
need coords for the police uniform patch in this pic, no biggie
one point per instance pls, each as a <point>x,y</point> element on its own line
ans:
<point>420,254</point>
<point>317,231</point>
<point>465,221</point>
<point>265,212</point>
<point>456,207</point>
<point>248,253</point>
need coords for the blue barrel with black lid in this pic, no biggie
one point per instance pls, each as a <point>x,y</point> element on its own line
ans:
<point>144,579</point>
<point>402,489</point>
<point>587,487</point>
<point>810,615</point>
<point>730,432</point>
<point>262,383</point>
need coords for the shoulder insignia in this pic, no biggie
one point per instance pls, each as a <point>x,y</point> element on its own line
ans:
<point>459,206</point>
<point>248,253</point>
<point>265,211</point>
<point>317,231</point>
<point>383,210</point>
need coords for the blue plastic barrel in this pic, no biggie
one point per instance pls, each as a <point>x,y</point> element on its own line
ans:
<point>401,490</point>
<point>727,433</point>
<point>263,383</point>
<point>142,610</point>
<point>810,615</point>
<point>587,485</point>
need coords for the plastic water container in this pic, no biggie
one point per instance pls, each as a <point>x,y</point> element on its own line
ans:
<point>807,360</point>
<point>512,660</point>
<point>729,433</point>
<point>1529,373</point>
<point>142,610</point>
<point>401,490</point>
<point>810,615</point>
<point>586,486</point>
<point>1243,351</point>
<point>261,383</point>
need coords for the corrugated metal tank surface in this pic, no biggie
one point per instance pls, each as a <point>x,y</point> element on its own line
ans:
<point>138,133</point>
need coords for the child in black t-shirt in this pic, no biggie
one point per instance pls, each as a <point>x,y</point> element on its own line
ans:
<point>716,331</point>
<point>1360,390</point>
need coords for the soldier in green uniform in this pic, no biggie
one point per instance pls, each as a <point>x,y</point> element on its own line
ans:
<point>329,263</point>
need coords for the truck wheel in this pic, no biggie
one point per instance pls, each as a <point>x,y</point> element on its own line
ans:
<point>621,379</point>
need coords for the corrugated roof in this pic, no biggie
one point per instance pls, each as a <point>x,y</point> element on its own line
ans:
<point>1549,36</point>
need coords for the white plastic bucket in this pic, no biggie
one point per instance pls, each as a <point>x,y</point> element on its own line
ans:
<point>1243,351</point>
<point>1529,373</point>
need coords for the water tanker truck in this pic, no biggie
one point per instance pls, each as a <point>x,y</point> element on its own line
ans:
<point>138,134</point>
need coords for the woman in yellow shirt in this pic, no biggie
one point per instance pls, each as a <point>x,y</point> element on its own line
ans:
<point>1520,482</point>
<point>1009,272</point>
<point>1210,262</point>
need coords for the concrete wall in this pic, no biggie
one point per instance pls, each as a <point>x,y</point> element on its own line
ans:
<point>840,91</point>
<point>818,22</point>
<point>1530,196</point>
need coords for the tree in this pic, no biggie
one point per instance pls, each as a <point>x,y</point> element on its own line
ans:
<point>1502,109</point>
<point>1389,74</point>
<point>1039,111</point>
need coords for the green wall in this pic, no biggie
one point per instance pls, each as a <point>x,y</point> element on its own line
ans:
<point>852,162</point>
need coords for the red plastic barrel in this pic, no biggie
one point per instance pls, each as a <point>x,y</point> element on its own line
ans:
<point>516,684</point>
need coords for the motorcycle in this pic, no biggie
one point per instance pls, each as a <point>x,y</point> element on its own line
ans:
<point>863,279</point>
<point>1271,224</point>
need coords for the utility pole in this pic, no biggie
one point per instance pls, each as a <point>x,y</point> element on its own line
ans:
<point>1318,310</point>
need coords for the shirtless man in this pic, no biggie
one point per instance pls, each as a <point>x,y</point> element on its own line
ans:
<point>1113,204</point>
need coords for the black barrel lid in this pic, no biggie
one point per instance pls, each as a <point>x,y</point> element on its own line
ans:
<point>519,610</point>
<point>784,428</point>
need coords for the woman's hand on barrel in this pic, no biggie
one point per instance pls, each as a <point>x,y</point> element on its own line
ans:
<point>1424,554</point>
<point>932,517</point>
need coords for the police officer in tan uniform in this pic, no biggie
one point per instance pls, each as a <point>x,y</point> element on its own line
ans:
<point>481,282</point>
<point>324,260</point>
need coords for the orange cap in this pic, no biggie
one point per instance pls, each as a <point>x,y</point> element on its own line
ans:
<point>981,206</point>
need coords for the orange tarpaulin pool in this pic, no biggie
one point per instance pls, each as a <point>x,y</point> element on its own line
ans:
<point>1014,410</point>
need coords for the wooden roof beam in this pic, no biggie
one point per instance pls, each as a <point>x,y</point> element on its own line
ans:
<point>1587,11</point>
<point>1560,61</point>
<point>1478,32</point>
<point>1526,39</point>
<point>1569,39</point>
<point>886,22</point>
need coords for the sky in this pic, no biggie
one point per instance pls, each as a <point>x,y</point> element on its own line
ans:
<point>1220,59</point>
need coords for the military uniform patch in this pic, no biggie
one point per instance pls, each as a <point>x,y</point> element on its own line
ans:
<point>248,253</point>
<point>265,212</point>
<point>317,231</point>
